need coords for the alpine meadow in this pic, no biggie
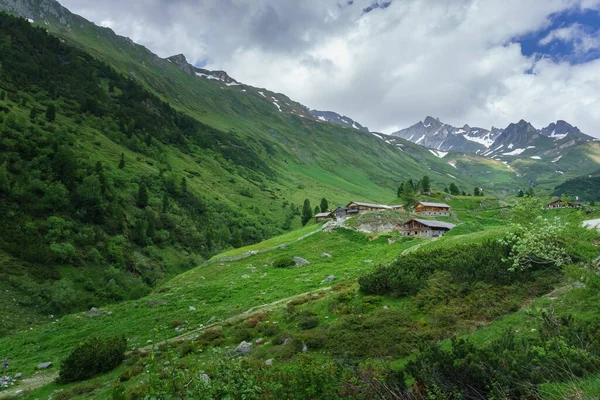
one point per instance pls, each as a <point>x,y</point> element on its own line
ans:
<point>170,232</point>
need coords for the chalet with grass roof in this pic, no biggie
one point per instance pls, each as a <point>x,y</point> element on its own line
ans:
<point>433,209</point>
<point>425,228</point>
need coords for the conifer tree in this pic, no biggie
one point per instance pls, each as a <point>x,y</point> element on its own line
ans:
<point>476,191</point>
<point>184,185</point>
<point>2,95</point>
<point>142,197</point>
<point>454,189</point>
<point>400,190</point>
<point>409,196</point>
<point>122,161</point>
<point>33,113</point>
<point>51,113</point>
<point>165,203</point>
<point>425,184</point>
<point>317,210</point>
<point>307,212</point>
<point>324,205</point>
<point>521,193</point>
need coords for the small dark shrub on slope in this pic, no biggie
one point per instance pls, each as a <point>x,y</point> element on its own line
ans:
<point>283,262</point>
<point>91,358</point>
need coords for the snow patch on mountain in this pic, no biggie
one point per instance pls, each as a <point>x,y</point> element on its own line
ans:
<point>440,154</point>
<point>515,152</point>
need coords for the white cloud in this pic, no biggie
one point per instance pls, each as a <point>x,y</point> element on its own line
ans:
<point>387,69</point>
<point>575,34</point>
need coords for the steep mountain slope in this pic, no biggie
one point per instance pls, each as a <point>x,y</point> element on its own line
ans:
<point>335,118</point>
<point>587,187</point>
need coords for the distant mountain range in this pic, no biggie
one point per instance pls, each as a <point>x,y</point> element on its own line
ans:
<point>517,139</point>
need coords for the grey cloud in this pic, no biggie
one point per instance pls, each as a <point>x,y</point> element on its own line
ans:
<point>387,68</point>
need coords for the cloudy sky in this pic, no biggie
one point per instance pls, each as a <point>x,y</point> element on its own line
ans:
<point>388,63</point>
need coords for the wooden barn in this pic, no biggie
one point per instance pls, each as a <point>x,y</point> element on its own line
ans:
<point>425,228</point>
<point>362,207</point>
<point>323,216</point>
<point>560,204</point>
<point>398,208</point>
<point>433,209</point>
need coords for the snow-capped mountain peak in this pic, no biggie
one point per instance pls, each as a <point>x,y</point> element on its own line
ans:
<point>516,139</point>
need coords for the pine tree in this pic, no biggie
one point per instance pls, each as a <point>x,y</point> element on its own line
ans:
<point>33,113</point>
<point>521,193</point>
<point>184,185</point>
<point>446,190</point>
<point>476,191</point>
<point>592,203</point>
<point>426,184</point>
<point>530,192</point>
<point>463,193</point>
<point>102,178</point>
<point>454,189</point>
<point>409,196</point>
<point>51,113</point>
<point>400,190</point>
<point>4,180</point>
<point>324,205</point>
<point>122,161</point>
<point>2,95</point>
<point>307,212</point>
<point>317,210</point>
<point>142,197</point>
<point>165,203</point>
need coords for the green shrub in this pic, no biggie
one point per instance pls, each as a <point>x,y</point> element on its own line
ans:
<point>283,262</point>
<point>465,263</point>
<point>92,357</point>
<point>308,322</point>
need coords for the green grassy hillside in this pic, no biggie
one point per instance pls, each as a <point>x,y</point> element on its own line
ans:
<point>200,316</point>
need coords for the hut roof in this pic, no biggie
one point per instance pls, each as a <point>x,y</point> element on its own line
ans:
<point>323,215</point>
<point>434,224</point>
<point>369,205</point>
<point>428,204</point>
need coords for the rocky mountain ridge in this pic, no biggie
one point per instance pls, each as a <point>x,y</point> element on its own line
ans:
<point>514,140</point>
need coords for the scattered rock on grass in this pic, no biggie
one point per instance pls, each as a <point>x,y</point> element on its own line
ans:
<point>192,308</point>
<point>300,262</point>
<point>269,361</point>
<point>18,375</point>
<point>204,378</point>
<point>244,348</point>
<point>45,365</point>
<point>367,261</point>
<point>93,313</point>
<point>330,278</point>
<point>326,255</point>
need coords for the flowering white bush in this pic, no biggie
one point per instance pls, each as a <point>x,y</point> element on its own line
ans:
<point>537,242</point>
